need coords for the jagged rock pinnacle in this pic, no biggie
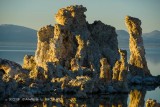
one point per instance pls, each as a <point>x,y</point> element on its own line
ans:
<point>121,67</point>
<point>138,64</point>
<point>105,70</point>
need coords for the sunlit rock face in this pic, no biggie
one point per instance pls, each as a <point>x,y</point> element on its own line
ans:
<point>29,62</point>
<point>138,64</point>
<point>121,67</point>
<point>137,98</point>
<point>120,71</point>
<point>45,39</point>
<point>105,70</point>
<point>36,72</point>
<point>73,43</point>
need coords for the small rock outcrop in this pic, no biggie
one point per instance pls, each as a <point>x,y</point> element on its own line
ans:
<point>121,67</point>
<point>12,76</point>
<point>9,68</point>
<point>29,62</point>
<point>138,64</point>
<point>105,70</point>
<point>152,103</point>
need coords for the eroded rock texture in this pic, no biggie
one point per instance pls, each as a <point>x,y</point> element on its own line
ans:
<point>29,62</point>
<point>76,57</point>
<point>138,64</point>
<point>121,67</point>
<point>120,71</point>
<point>74,44</point>
<point>106,38</point>
<point>45,39</point>
<point>105,70</point>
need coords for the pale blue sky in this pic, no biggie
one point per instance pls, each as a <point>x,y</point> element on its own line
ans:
<point>37,13</point>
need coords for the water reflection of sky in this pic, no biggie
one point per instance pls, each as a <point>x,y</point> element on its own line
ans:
<point>154,94</point>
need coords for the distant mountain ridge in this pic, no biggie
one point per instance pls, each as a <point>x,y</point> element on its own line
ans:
<point>151,38</point>
<point>15,33</point>
<point>154,33</point>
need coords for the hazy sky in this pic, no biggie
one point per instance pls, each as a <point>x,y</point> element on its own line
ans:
<point>38,13</point>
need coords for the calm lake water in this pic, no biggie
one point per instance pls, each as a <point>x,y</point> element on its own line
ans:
<point>16,52</point>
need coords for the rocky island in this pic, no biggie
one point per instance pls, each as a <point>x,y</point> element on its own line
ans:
<point>78,58</point>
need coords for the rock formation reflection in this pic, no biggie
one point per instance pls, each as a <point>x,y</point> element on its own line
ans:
<point>137,98</point>
<point>114,100</point>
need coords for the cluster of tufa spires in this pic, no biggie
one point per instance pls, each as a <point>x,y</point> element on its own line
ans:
<point>76,45</point>
<point>75,56</point>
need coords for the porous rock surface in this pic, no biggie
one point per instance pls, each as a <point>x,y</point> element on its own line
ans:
<point>137,61</point>
<point>105,70</point>
<point>121,67</point>
<point>85,53</point>
<point>74,44</point>
<point>76,57</point>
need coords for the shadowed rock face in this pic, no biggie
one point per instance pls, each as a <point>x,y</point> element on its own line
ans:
<point>138,64</point>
